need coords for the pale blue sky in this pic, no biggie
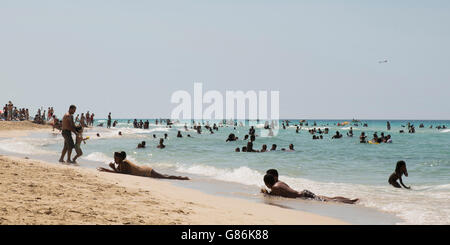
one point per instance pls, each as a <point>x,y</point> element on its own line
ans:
<point>129,56</point>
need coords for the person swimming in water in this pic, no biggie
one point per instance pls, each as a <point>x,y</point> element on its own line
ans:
<point>291,148</point>
<point>400,169</point>
<point>141,145</point>
<point>126,167</point>
<point>264,148</point>
<point>274,147</point>
<point>279,188</point>
<point>161,144</point>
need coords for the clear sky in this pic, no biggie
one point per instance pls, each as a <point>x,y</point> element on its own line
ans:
<point>128,57</point>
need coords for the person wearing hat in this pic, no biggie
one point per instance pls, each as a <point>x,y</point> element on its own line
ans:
<point>126,167</point>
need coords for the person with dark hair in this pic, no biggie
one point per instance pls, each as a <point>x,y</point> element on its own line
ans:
<point>126,167</point>
<point>79,139</point>
<point>250,147</point>
<point>274,147</point>
<point>231,137</point>
<point>400,169</point>
<point>161,144</point>
<point>179,135</point>
<point>362,138</point>
<point>108,125</point>
<point>279,188</point>
<point>68,126</point>
<point>237,149</point>
<point>264,148</point>
<point>291,148</point>
<point>141,145</point>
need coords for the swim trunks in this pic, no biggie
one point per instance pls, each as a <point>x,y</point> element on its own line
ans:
<point>68,140</point>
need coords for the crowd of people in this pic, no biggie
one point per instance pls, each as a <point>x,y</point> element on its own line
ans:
<point>12,113</point>
<point>277,187</point>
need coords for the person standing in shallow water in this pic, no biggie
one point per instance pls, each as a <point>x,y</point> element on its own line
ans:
<point>68,126</point>
<point>109,121</point>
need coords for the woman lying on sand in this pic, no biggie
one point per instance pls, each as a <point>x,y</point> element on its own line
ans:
<point>279,188</point>
<point>127,167</point>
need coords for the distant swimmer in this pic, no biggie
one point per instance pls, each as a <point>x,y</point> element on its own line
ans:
<point>400,169</point>
<point>141,145</point>
<point>274,147</point>
<point>279,188</point>
<point>161,144</point>
<point>126,167</point>
<point>337,135</point>
<point>382,61</point>
<point>263,149</point>
<point>179,135</point>
<point>291,148</point>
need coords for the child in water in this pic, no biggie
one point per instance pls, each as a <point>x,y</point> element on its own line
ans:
<point>400,169</point>
<point>79,137</point>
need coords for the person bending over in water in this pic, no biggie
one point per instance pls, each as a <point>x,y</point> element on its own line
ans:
<point>126,167</point>
<point>279,188</point>
<point>161,145</point>
<point>400,169</point>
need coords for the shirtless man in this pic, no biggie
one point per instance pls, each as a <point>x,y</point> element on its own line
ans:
<point>68,126</point>
<point>126,167</point>
<point>279,188</point>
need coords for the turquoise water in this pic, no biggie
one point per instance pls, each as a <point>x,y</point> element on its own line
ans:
<point>328,166</point>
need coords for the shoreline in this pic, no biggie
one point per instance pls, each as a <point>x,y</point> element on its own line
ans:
<point>38,192</point>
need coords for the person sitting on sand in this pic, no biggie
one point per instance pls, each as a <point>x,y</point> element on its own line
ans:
<point>79,139</point>
<point>400,169</point>
<point>141,145</point>
<point>279,188</point>
<point>161,145</point>
<point>127,167</point>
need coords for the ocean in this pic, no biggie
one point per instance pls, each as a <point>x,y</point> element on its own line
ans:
<point>331,167</point>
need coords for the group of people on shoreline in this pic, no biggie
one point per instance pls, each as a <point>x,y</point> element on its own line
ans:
<point>12,113</point>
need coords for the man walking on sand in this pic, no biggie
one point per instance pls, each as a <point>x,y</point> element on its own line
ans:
<point>68,126</point>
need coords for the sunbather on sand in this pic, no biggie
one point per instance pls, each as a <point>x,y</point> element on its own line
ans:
<point>127,167</point>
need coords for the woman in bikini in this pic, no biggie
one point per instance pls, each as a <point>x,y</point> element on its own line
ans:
<point>126,167</point>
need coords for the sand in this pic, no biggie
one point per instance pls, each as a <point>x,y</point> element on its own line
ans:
<point>21,128</point>
<point>38,192</point>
